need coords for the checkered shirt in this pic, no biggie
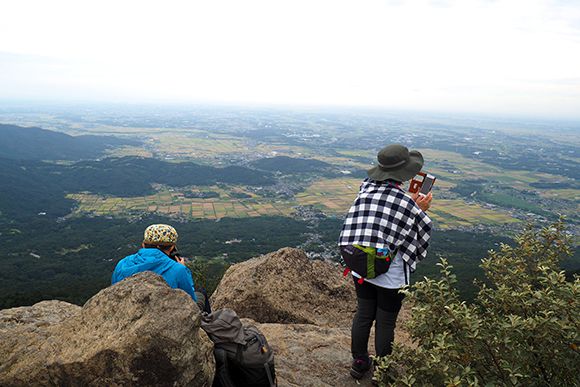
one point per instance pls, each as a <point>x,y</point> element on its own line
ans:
<point>382,216</point>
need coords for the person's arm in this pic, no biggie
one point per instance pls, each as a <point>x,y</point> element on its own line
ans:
<point>416,242</point>
<point>115,276</point>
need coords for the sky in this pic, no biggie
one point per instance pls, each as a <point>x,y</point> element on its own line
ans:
<point>506,57</point>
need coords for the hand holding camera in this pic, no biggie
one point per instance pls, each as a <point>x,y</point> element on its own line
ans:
<point>177,257</point>
<point>423,201</point>
<point>421,190</point>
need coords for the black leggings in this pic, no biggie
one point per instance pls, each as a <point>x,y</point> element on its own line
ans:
<point>374,304</point>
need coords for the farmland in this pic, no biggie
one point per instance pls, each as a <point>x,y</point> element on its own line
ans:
<point>332,196</point>
<point>238,182</point>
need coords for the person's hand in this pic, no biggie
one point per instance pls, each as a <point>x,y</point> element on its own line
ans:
<point>423,201</point>
<point>180,259</point>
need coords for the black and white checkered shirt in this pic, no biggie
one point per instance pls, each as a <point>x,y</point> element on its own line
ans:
<point>382,216</point>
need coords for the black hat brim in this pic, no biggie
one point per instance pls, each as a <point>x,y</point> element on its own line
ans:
<point>403,173</point>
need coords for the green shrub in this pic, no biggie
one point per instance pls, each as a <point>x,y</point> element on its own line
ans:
<point>522,329</point>
<point>207,273</point>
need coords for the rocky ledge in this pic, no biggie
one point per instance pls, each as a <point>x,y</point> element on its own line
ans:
<point>141,332</point>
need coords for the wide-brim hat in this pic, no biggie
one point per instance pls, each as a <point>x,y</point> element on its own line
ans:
<point>396,162</point>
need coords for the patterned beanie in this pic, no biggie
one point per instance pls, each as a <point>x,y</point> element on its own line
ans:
<point>160,234</point>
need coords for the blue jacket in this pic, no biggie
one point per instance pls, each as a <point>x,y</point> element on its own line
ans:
<point>176,275</point>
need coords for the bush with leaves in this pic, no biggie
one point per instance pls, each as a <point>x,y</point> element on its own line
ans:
<point>206,274</point>
<point>521,330</point>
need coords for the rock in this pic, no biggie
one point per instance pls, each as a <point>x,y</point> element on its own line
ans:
<point>287,287</point>
<point>283,288</point>
<point>36,318</point>
<point>308,355</point>
<point>139,332</point>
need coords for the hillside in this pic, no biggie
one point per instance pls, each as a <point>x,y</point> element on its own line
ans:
<point>22,143</point>
<point>287,164</point>
<point>41,187</point>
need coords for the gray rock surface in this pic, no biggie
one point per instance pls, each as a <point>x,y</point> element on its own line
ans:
<point>287,287</point>
<point>311,356</point>
<point>139,332</point>
<point>282,288</point>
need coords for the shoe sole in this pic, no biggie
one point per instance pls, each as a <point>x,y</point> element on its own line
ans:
<point>357,374</point>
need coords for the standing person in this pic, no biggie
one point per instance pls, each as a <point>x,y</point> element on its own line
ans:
<point>159,255</point>
<point>385,218</point>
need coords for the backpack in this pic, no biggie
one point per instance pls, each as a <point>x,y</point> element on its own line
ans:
<point>368,262</point>
<point>242,354</point>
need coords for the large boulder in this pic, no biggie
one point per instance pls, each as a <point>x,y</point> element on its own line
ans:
<point>139,332</point>
<point>287,287</point>
<point>305,310</point>
<point>309,355</point>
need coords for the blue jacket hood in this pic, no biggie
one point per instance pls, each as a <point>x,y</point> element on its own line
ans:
<point>144,260</point>
<point>175,274</point>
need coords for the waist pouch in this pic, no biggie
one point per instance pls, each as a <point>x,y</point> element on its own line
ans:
<point>368,262</point>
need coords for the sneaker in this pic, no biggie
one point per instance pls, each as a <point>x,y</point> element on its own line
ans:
<point>360,367</point>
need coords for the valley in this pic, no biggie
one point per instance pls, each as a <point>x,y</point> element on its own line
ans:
<point>240,171</point>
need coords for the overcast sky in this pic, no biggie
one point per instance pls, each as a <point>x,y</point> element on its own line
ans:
<point>505,57</point>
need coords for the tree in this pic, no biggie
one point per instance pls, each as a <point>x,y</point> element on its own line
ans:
<point>522,329</point>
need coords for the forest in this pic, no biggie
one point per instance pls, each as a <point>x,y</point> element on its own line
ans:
<point>73,259</point>
<point>41,144</point>
<point>41,187</point>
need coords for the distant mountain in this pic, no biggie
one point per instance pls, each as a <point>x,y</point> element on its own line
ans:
<point>287,164</point>
<point>22,143</point>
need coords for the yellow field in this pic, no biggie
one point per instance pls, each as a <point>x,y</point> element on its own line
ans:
<point>175,204</point>
<point>473,169</point>
<point>332,196</point>
<point>129,151</point>
<point>197,144</point>
<point>567,194</point>
<point>457,212</point>
<point>335,195</point>
<point>187,146</point>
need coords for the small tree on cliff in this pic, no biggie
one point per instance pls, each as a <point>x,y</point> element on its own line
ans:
<point>522,329</point>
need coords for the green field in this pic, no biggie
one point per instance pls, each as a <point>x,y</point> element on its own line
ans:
<point>333,196</point>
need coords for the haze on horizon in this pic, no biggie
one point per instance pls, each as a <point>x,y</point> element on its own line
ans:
<point>497,57</point>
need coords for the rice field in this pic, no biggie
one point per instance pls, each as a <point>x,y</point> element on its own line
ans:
<point>197,147</point>
<point>332,196</point>
<point>176,204</point>
<point>336,196</point>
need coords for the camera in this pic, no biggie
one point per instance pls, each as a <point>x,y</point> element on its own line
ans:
<point>424,185</point>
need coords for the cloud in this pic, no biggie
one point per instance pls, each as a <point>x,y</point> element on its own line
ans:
<point>462,55</point>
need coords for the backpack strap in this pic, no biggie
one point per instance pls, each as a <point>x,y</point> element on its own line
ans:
<point>221,372</point>
<point>269,374</point>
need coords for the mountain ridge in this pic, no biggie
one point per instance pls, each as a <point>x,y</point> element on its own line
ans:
<point>33,143</point>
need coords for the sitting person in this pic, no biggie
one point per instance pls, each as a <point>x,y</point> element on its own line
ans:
<point>159,255</point>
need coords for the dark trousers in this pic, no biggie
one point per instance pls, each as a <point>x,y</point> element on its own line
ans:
<point>374,304</point>
<point>202,300</point>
